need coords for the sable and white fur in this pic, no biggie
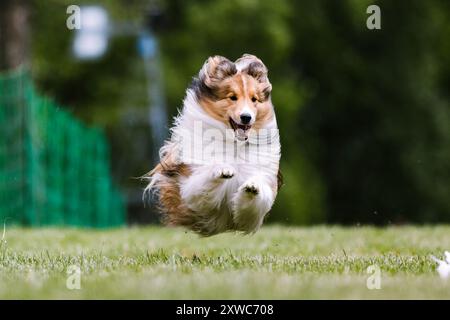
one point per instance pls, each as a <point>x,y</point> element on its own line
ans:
<point>236,187</point>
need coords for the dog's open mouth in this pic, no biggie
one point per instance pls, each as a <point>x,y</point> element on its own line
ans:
<point>240,130</point>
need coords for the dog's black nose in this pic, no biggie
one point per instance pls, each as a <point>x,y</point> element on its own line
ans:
<point>246,118</point>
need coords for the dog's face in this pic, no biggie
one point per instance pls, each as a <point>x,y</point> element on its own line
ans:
<point>236,93</point>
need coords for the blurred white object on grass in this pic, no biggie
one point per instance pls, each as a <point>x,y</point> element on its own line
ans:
<point>444,266</point>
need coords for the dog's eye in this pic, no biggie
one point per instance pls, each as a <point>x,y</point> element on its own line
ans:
<point>254,99</point>
<point>234,98</point>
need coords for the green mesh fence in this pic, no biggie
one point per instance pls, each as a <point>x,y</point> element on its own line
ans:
<point>53,169</point>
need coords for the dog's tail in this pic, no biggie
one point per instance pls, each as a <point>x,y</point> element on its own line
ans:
<point>157,176</point>
<point>152,178</point>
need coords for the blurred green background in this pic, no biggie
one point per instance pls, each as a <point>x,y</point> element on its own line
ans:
<point>364,115</point>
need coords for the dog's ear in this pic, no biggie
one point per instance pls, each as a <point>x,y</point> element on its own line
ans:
<point>254,67</point>
<point>216,69</point>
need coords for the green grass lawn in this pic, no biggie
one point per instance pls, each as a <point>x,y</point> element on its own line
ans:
<point>275,263</point>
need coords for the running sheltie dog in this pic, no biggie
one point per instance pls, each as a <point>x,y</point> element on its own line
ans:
<point>219,171</point>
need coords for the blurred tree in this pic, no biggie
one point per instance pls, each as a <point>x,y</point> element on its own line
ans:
<point>110,92</point>
<point>377,119</point>
<point>14,30</point>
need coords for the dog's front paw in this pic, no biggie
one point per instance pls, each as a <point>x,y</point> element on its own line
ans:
<point>251,188</point>
<point>224,173</point>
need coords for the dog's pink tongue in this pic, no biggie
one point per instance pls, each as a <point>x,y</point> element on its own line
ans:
<point>241,135</point>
